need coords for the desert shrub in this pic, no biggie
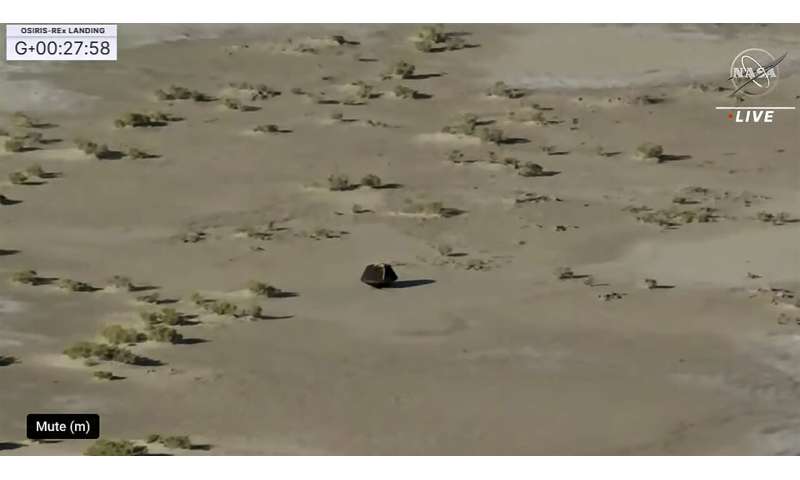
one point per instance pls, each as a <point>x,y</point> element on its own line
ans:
<point>101,351</point>
<point>153,438</point>
<point>530,169</point>
<point>649,150</point>
<point>133,119</point>
<point>6,361</point>
<point>339,182</point>
<point>337,116</point>
<point>221,307</point>
<point>399,69</point>
<point>170,316</point>
<point>674,216</point>
<point>649,283</point>
<point>15,145</point>
<point>358,208</point>
<point>563,273</point>
<point>424,45</point>
<point>103,375</point>
<point>432,33</point>
<point>99,151</point>
<point>233,104</point>
<point>267,128</point>
<point>491,135</point>
<point>528,115</point>
<point>172,441</point>
<point>117,334</point>
<point>261,288</point>
<point>22,120</point>
<point>297,91</point>
<point>363,90</point>
<point>151,298</point>
<point>18,178</point>
<point>115,448</point>
<point>500,89</point>
<point>26,277</point>
<point>121,282</point>
<point>253,311</point>
<point>36,170</point>
<point>198,299</point>
<point>444,249</point>
<point>454,43</point>
<point>137,153</point>
<point>371,180</point>
<point>163,333</point>
<point>174,92</point>
<point>401,91</point>
<point>463,125</point>
<point>73,285</point>
<point>774,218</point>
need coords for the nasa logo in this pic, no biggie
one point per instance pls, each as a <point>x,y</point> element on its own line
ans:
<point>754,72</point>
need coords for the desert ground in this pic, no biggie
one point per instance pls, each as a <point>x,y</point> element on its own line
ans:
<point>563,288</point>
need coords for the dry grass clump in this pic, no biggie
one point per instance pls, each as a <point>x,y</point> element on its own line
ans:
<point>444,249</point>
<point>500,89</point>
<point>431,208</point>
<point>137,153</point>
<point>176,92</point>
<point>117,334</point>
<point>171,441</point>
<point>257,92</point>
<point>650,283</point>
<point>73,285</point>
<point>115,448</point>
<point>36,170</point>
<point>371,180</point>
<point>21,120</point>
<point>100,351</point>
<point>779,218</point>
<point>267,128</point>
<point>463,125</point>
<point>340,183</point>
<point>432,33</point>
<point>26,277</point>
<point>135,119</point>
<point>99,151</point>
<point>433,38</point>
<point>400,69</point>
<point>491,135</point>
<point>236,104</point>
<point>103,375</point>
<point>649,151</point>
<point>564,273</point>
<point>15,145</point>
<point>23,142</point>
<point>530,169</point>
<point>167,316</point>
<point>18,178</point>
<point>7,360</point>
<point>528,115</point>
<point>264,289</point>
<point>150,298</point>
<point>163,333</point>
<point>406,93</point>
<point>674,216</point>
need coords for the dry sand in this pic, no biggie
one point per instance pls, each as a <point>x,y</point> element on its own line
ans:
<point>485,351</point>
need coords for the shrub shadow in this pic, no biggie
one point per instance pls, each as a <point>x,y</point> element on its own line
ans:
<point>410,283</point>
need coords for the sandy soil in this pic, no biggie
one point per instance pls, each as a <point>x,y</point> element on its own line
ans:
<point>484,351</point>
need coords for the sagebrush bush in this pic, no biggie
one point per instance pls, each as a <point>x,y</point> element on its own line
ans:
<point>530,169</point>
<point>22,120</point>
<point>649,150</point>
<point>121,282</point>
<point>399,69</point>
<point>115,448</point>
<point>463,125</point>
<point>36,170</point>
<point>339,182</point>
<point>117,334</point>
<point>261,288</point>
<point>15,145</point>
<point>163,333</point>
<point>26,277</point>
<point>88,147</point>
<point>267,128</point>
<point>432,33</point>
<point>73,285</point>
<point>101,351</point>
<point>152,298</point>
<point>103,375</point>
<point>563,273</point>
<point>491,135</point>
<point>371,180</point>
<point>500,89</point>
<point>401,91</point>
<point>18,178</point>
